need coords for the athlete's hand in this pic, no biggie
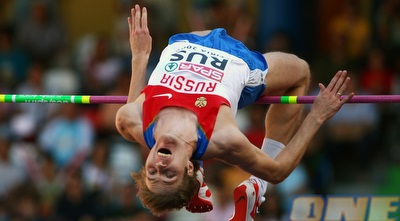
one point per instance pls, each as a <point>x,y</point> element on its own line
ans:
<point>328,102</point>
<point>140,42</point>
<point>139,35</point>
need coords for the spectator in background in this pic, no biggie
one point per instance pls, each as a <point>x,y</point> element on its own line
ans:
<point>33,83</point>
<point>28,118</point>
<point>142,216</point>
<point>280,41</point>
<point>237,17</point>
<point>396,72</point>
<point>354,28</point>
<point>68,137</point>
<point>255,132</point>
<point>20,9</point>
<point>5,14</point>
<point>5,115</point>
<point>333,59</point>
<point>224,179</point>
<point>377,77</point>
<point>102,67</point>
<point>296,183</point>
<point>97,178</point>
<point>60,78</point>
<point>120,36</point>
<point>10,174</point>
<point>3,211</point>
<point>49,185</point>
<point>351,131</point>
<point>40,34</point>
<point>388,25</point>
<point>390,157</point>
<point>271,210</point>
<point>125,203</point>
<point>96,175</point>
<point>74,203</point>
<point>13,61</point>
<point>23,202</point>
<point>105,122</point>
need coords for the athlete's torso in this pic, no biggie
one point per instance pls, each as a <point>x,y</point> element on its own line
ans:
<point>200,79</point>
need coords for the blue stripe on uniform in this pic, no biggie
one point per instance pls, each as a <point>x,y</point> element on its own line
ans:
<point>220,40</point>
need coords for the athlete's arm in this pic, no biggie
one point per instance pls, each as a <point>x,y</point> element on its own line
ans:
<point>129,117</point>
<point>129,121</point>
<point>140,42</point>
<point>254,161</point>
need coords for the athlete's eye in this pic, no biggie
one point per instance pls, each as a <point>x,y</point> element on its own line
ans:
<point>151,171</point>
<point>170,175</point>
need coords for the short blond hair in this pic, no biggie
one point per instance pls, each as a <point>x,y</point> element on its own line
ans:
<point>159,204</point>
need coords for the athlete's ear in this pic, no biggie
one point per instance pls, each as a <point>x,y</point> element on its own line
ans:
<point>190,168</point>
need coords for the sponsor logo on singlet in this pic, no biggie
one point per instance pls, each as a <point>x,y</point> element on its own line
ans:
<point>207,66</point>
<point>168,95</point>
<point>181,83</point>
<point>200,57</point>
<point>202,70</point>
<point>171,66</point>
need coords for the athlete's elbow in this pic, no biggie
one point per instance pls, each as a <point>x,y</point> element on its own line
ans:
<point>278,176</point>
<point>121,123</point>
<point>276,179</point>
<point>123,131</point>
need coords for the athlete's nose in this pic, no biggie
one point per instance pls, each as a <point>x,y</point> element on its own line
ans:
<point>160,164</point>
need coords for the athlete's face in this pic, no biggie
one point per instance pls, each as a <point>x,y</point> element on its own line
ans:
<point>166,163</point>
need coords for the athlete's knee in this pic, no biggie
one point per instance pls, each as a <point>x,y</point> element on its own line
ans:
<point>300,65</point>
<point>295,69</point>
<point>303,71</point>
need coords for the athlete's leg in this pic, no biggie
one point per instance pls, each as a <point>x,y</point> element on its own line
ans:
<point>249,194</point>
<point>287,75</point>
<point>201,202</point>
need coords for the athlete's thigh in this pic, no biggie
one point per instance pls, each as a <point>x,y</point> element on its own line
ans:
<point>285,71</point>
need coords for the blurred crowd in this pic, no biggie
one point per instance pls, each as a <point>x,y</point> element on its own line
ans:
<point>67,162</point>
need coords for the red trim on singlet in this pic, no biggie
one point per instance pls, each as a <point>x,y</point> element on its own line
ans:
<point>158,97</point>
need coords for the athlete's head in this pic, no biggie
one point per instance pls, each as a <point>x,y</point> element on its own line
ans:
<point>176,198</point>
<point>168,179</point>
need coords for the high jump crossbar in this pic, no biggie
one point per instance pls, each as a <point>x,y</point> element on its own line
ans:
<point>98,99</point>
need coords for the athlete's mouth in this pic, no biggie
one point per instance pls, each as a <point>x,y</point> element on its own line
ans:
<point>163,152</point>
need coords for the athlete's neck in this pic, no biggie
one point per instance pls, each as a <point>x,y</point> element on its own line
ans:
<point>179,122</point>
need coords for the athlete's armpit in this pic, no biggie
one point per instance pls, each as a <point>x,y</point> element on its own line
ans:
<point>129,122</point>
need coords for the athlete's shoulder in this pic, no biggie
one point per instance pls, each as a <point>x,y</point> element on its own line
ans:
<point>129,120</point>
<point>226,131</point>
<point>227,143</point>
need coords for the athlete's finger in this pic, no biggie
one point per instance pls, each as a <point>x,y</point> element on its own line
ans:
<point>339,84</point>
<point>144,18</point>
<point>334,81</point>
<point>321,87</point>
<point>137,17</point>
<point>347,98</point>
<point>130,24</point>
